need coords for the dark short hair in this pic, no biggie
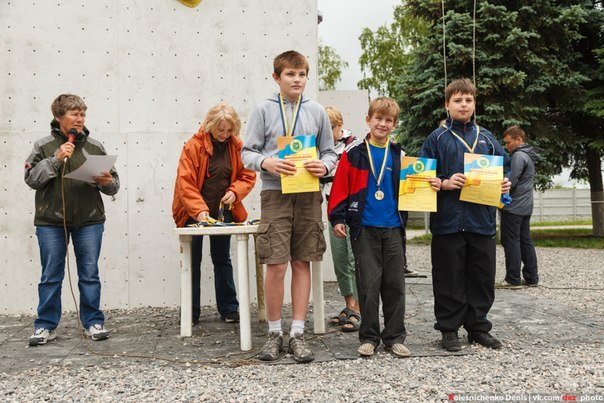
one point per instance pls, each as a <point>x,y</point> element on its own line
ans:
<point>515,132</point>
<point>460,85</point>
<point>67,102</point>
<point>290,59</point>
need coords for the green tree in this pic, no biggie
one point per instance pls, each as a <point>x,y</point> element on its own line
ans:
<point>386,52</point>
<point>538,64</point>
<point>330,67</point>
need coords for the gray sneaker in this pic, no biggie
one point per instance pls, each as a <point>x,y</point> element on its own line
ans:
<point>271,349</point>
<point>42,336</point>
<point>298,347</point>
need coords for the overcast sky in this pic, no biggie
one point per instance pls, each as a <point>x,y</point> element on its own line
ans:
<point>343,21</point>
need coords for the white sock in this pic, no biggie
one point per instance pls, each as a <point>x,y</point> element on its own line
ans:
<point>297,327</point>
<point>274,326</point>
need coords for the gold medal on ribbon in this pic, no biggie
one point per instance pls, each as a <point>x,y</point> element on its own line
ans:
<point>379,195</point>
<point>289,127</point>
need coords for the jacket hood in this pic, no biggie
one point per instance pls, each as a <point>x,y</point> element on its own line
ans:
<point>529,150</point>
<point>56,131</point>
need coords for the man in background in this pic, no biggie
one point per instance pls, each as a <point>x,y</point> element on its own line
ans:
<point>516,218</point>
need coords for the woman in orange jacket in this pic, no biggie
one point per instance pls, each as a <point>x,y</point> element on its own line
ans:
<point>211,183</point>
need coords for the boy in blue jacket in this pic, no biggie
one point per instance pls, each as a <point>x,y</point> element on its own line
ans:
<point>364,195</point>
<point>463,234</point>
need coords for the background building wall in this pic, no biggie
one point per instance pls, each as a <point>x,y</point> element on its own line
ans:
<point>148,71</point>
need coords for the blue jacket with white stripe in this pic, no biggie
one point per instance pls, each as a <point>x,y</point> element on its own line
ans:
<point>454,215</point>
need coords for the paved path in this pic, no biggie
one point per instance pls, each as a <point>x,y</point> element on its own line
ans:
<point>153,333</point>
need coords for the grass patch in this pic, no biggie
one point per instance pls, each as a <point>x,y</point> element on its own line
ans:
<point>559,223</point>
<point>578,238</point>
<point>425,239</point>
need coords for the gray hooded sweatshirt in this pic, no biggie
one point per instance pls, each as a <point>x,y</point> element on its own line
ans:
<point>522,173</point>
<point>265,125</point>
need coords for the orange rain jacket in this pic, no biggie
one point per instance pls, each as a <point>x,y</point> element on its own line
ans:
<point>193,169</point>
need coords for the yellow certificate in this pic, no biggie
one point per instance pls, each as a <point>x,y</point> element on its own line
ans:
<point>484,174</point>
<point>298,149</point>
<point>415,192</point>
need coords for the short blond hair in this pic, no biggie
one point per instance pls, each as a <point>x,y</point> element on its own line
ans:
<point>385,106</point>
<point>66,102</point>
<point>334,115</point>
<point>218,113</point>
<point>290,59</point>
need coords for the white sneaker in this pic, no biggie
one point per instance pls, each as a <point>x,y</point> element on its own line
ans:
<point>97,332</point>
<point>41,336</point>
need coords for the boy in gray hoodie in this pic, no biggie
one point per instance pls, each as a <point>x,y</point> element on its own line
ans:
<point>291,227</point>
<point>516,218</point>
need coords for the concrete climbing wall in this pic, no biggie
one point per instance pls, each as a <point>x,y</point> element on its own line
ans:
<point>148,71</point>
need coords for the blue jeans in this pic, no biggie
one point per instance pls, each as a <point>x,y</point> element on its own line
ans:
<point>224,285</point>
<point>87,247</point>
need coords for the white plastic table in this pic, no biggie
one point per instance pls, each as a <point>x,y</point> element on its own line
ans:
<point>242,233</point>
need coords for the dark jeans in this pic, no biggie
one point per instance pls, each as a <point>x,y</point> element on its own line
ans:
<point>519,249</point>
<point>224,285</point>
<point>379,272</point>
<point>463,281</point>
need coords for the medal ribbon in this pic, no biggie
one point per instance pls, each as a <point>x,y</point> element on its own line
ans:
<point>461,140</point>
<point>288,129</point>
<point>378,179</point>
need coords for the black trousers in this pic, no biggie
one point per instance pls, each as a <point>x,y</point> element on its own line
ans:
<point>519,249</point>
<point>463,281</point>
<point>379,259</point>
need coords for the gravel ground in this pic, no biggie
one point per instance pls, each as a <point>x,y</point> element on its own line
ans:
<point>548,363</point>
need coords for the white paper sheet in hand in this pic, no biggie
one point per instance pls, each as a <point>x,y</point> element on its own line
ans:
<point>93,166</point>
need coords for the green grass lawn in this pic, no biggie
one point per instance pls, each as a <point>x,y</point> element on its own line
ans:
<point>559,223</point>
<point>579,238</point>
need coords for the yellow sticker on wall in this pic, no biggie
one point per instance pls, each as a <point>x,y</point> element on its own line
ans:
<point>190,3</point>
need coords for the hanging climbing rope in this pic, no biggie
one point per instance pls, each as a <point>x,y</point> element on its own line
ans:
<point>445,43</point>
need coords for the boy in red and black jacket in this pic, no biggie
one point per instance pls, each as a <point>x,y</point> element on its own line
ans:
<point>364,195</point>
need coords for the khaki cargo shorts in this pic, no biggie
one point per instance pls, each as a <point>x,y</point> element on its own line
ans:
<point>290,227</point>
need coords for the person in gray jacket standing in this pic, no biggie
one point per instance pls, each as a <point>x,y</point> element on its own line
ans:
<point>516,218</point>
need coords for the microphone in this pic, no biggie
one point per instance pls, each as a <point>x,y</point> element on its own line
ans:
<point>71,137</point>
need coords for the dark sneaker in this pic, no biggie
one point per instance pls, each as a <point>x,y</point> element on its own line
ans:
<point>485,339</point>
<point>97,332</point>
<point>524,282</point>
<point>450,341</point>
<point>298,347</point>
<point>231,317</point>
<point>41,336</point>
<point>505,285</point>
<point>271,349</point>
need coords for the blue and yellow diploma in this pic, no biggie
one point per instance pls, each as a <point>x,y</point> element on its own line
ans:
<point>484,174</point>
<point>415,192</point>
<point>298,149</point>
